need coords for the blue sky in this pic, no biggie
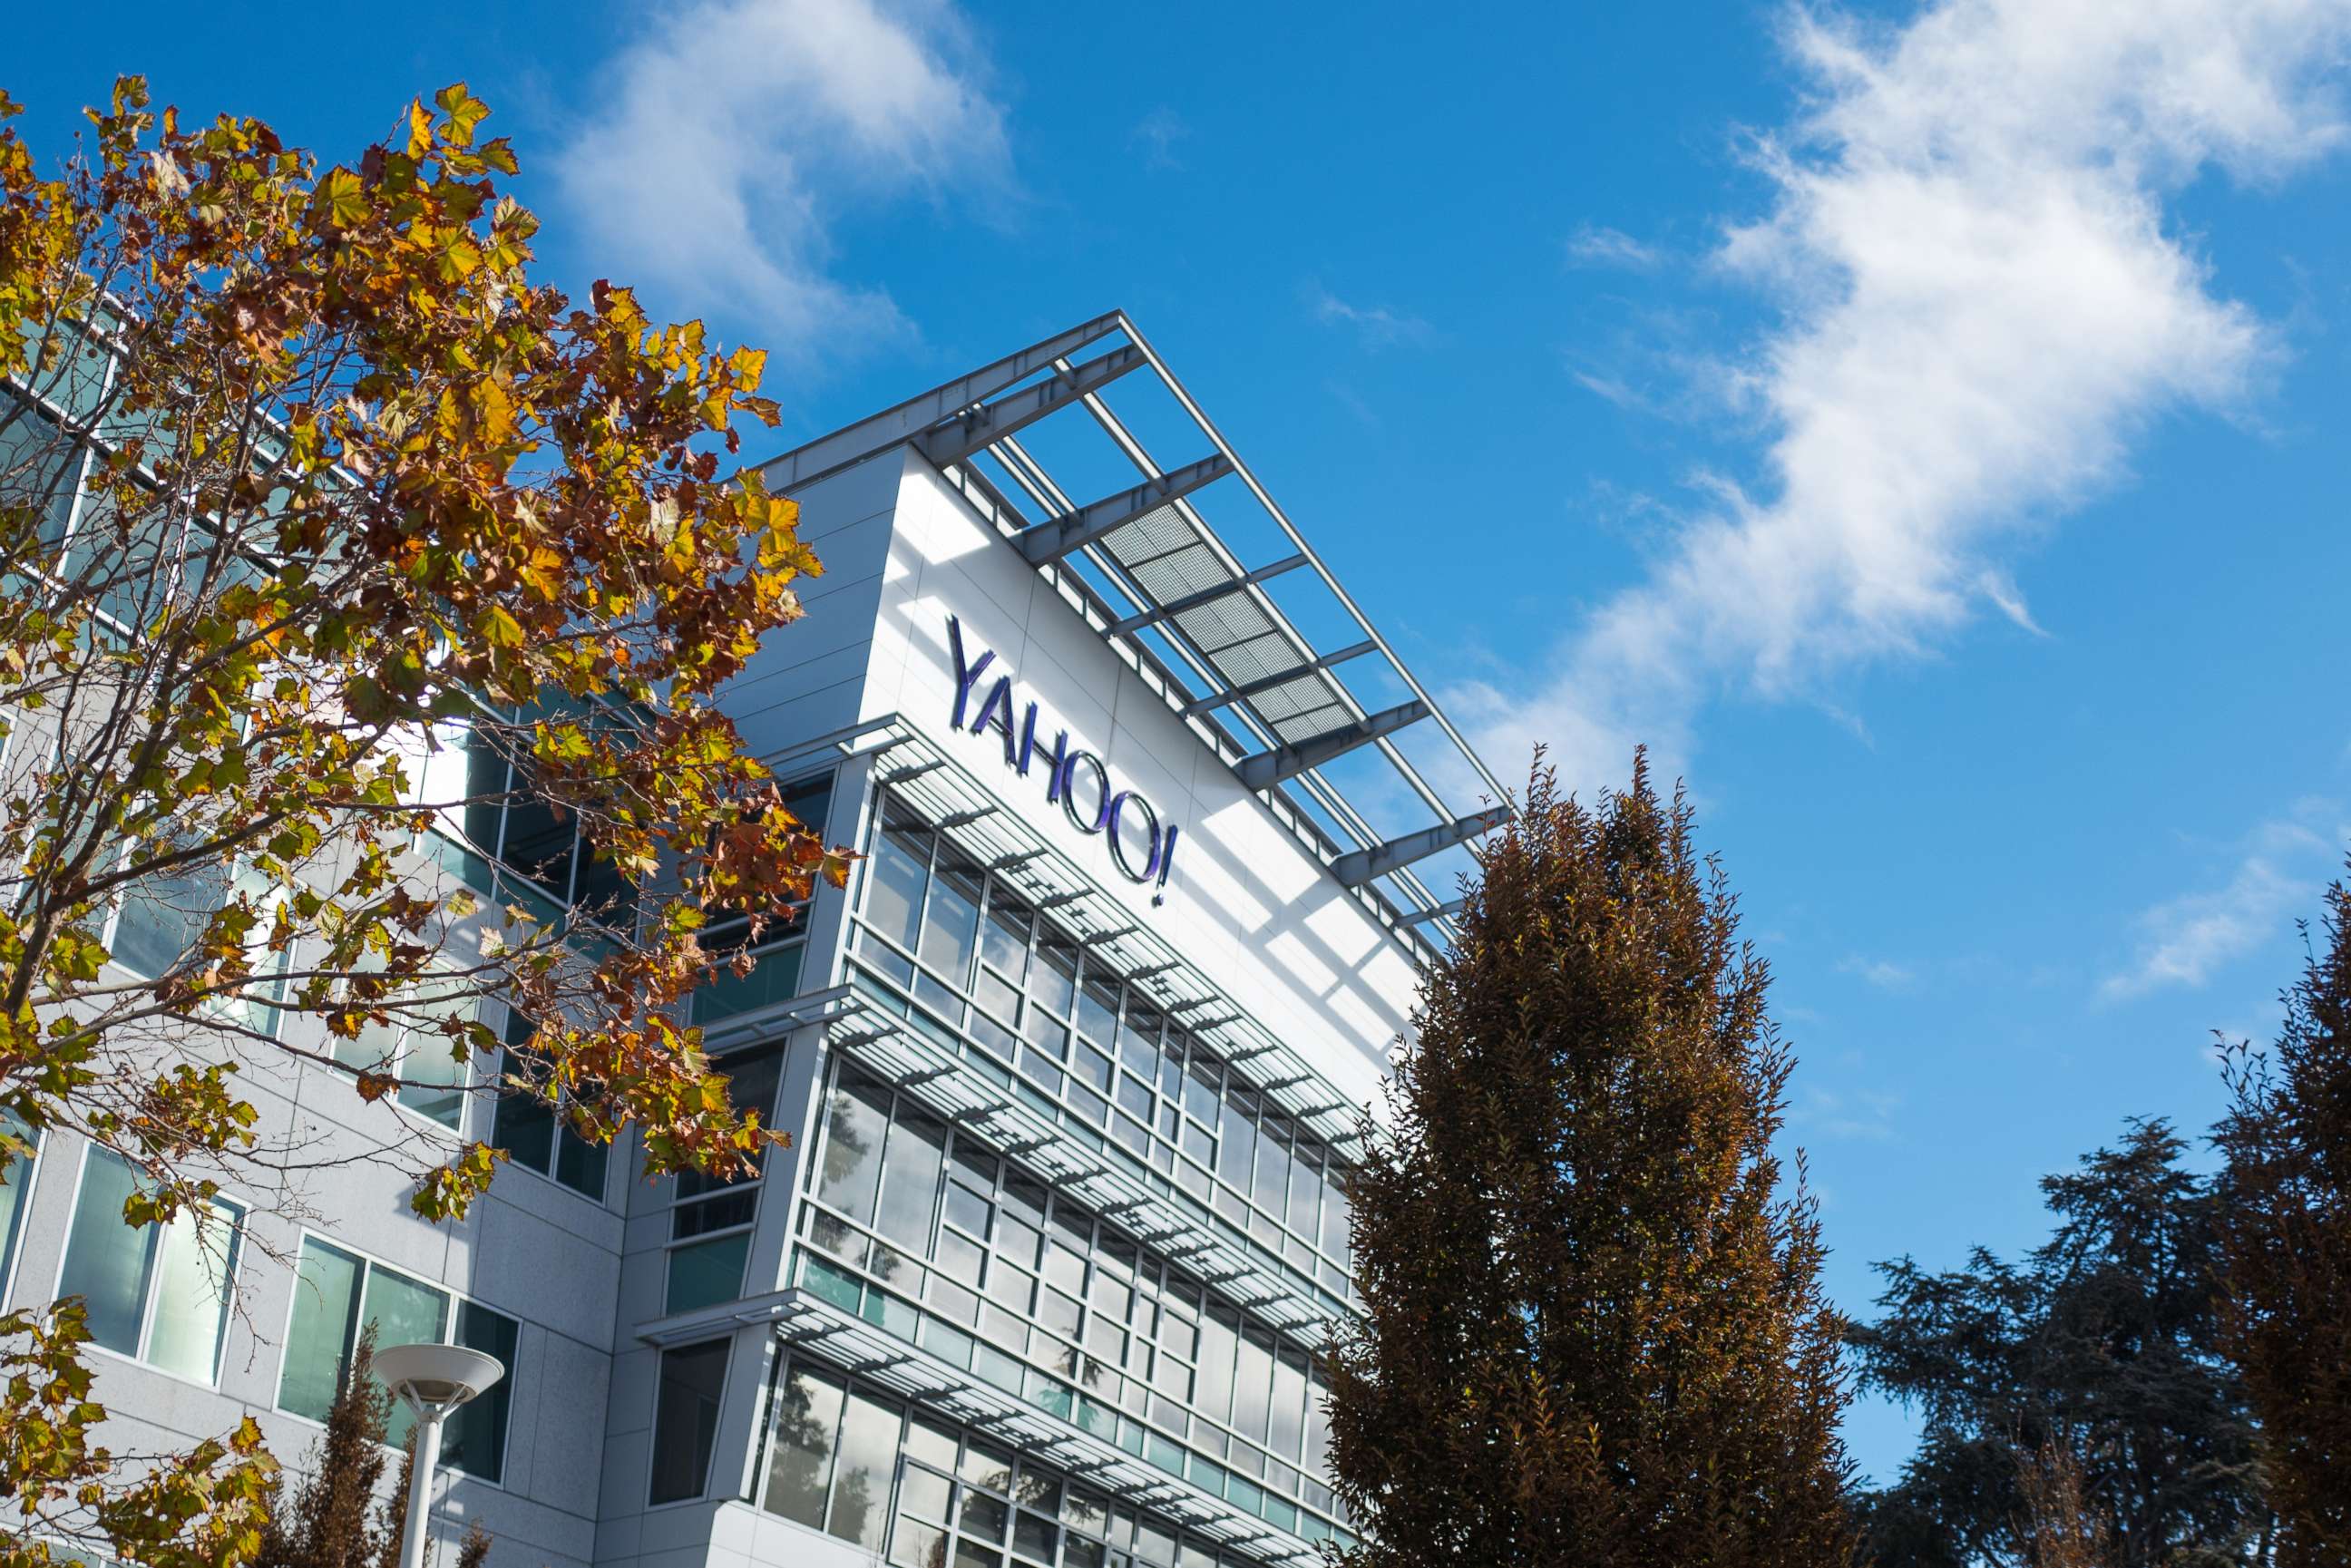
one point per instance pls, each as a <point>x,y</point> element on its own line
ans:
<point>1921,426</point>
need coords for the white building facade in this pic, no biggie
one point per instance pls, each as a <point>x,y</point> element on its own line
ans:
<point>1149,817</point>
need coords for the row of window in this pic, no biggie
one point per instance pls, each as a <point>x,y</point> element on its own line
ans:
<point>1103,1054</point>
<point>927,1233</point>
<point>160,1295</point>
<point>844,1457</point>
<point>504,832</point>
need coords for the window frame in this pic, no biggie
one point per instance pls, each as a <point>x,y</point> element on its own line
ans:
<point>704,1493</point>
<point>12,1254</point>
<point>1077,1507</point>
<point>559,1129</point>
<point>795,929</point>
<point>1086,1107</point>
<point>751,1187</point>
<point>1115,1361</point>
<point>466,1086</point>
<point>457,1298</point>
<point>151,1288</point>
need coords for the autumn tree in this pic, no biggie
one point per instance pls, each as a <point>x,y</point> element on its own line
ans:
<point>2078,1396</point>
<point>1594,1330</point>
<point>2286,1235</point>
<point>362,604</point>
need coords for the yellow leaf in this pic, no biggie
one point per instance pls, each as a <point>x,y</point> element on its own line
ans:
<point>344,198</point>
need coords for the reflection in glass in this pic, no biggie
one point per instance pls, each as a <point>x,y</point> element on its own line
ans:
<point>807,1414</point>
<point>860,1485</point>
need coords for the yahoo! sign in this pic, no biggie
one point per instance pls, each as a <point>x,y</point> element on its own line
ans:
<point>1140,846</point>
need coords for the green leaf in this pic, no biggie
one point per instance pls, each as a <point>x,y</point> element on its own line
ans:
<point>344,198</point>
<point>499,629</point>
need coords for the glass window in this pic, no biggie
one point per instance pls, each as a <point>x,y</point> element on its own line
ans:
<point>895,880</point>
<point>162,918</point>
<point>806,1415</point>
<point>707,1272</point>
<point>951,920</point>
<point>535,1136</point>
<point>1252,1383</point>
<point>506,818</point>
<point>857,1119</point>
<point>157,1293</point>
<point>15,1180</point>
<point>323,1329</point>
<point>473,1440</point>
<point>861,1482</point>
<point>38,467</point>
<point>711,1271</point>
<point>411,1045</point>
<point>1288,1404</point>
<point>339,1295</point>
<point>777,963</point>
<point>911,1178</point>
<point>685,1418</point>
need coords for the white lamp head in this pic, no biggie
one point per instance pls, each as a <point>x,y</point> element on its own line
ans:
<point>436,1378</point>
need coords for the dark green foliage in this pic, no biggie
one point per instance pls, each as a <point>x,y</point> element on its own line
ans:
<point>1595,1333</point>
<point>2101,1349</point>
<point>2287,1140</point>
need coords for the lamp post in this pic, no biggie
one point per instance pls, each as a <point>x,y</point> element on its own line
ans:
<point>432,1380</point>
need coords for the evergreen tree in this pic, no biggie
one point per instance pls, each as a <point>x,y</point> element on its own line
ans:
<point>2078,1398</point>
<point>1594,1333</point>
<point>2287,1249</point>
<point>324,1523</point>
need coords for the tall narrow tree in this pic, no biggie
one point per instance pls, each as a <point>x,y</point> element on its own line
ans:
<point>2287,1238</point>
<point>1594,1330</point>
<point>324,1521</point>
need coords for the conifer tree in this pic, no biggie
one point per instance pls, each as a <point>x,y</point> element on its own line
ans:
<point>324,1523</point>
<point>2286,1241</point>
<point>1594,1330</point>
<point>2076,1403</point>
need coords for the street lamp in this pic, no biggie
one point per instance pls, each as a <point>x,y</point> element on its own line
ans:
<point>432,1380</point>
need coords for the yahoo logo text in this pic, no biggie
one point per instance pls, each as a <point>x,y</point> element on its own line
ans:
<point>1142,846</point>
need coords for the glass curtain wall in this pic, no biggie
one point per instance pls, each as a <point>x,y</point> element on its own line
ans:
<point>849,1458</point>
<point>930,1235</point>
<point>966,957</point>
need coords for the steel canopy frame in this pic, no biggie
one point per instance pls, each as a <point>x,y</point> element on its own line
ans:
<point>1248,680</point>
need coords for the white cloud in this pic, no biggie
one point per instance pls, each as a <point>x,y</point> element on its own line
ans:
<point>1379,327</point>
<point>1981,305</point>
<point>1596,246</point>
<point>1861,1114</point>
<point>733,131</point>
<point>2184,941</point>
<point>1882,973</point>
<point>1157,133</point>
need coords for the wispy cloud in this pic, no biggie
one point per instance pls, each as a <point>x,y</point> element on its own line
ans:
<point>1591,246</point>
<point>1981,305</point>
<point>731,134</point>
<point>1882,973</point>
<point>1157,133</point>
<point>1378,326</point>
<point>2185,941</point>
<point>1860,1114</point>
